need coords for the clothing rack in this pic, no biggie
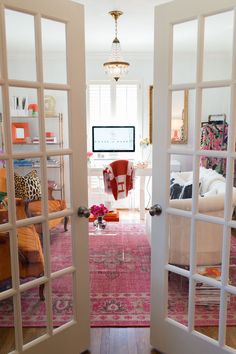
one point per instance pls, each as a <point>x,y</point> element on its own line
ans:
<point>221,121</point>
<point>218,125</point>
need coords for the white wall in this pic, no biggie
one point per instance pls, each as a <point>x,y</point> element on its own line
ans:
<point>141,69</point>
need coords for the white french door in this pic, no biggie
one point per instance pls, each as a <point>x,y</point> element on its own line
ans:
<point>195,50</point>
<point>43,129</point>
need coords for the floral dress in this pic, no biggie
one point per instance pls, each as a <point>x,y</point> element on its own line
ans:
<point>214,136</point>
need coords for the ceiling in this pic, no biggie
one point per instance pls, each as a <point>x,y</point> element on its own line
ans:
<point>135,26</point>
<point>135,29</point>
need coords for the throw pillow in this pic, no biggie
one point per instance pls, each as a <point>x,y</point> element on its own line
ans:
<point>27,187</point>
<point>176,187</point>
<point>180,189</point>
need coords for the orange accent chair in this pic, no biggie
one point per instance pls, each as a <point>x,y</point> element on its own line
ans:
<point>34,208</point>
<point>31,260</point>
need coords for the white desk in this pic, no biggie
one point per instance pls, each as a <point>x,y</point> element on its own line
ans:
<point>139,172</point>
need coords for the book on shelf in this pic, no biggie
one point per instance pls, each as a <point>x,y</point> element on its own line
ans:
<point>23,162</point>
<point>49,140</point>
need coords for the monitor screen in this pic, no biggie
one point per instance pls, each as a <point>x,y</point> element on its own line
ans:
<point>113,139</point>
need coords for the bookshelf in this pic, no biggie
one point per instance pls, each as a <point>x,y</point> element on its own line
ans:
<point>54,138</point>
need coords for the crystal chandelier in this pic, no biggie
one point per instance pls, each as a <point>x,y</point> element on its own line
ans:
<point>115,66</point>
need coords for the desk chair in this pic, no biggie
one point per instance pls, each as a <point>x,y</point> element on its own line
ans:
<point>119,179</point>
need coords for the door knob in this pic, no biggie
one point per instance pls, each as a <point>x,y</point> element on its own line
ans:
<point>155,210</point>
<point>83,212</point>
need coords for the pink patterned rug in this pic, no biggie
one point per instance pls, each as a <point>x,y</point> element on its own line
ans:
<point>120,284</point>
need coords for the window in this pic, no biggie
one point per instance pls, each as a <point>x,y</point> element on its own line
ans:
<point>126,104</point>
<point>99,98</point>
<point>113,104</point>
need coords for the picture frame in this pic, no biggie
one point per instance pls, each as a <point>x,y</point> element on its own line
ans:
<point>49,106</point>
<point>20,133</point>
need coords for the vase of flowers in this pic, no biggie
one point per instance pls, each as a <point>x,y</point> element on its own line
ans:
<point>99,211</point>
<point>89,158</point>
<point>145,147</point>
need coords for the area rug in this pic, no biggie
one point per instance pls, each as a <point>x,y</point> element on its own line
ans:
<point>120,284</point>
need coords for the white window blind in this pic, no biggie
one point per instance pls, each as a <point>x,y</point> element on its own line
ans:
<point>99,100</point>
<point>127,103</point>
<point>111,104</point>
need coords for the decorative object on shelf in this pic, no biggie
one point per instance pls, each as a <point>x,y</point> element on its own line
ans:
<point>52,184</point>
<point>51,138</point>
<point>116,66</point>
<point>33,109</point>
<point>20,133</point>
<point>49,106</point>
<point>19,106</point>
<point>146,149</point>
<point>99,211</point>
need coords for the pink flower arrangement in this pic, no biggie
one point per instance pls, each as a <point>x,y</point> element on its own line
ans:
<point>99,210</point>
<point>89,157</point>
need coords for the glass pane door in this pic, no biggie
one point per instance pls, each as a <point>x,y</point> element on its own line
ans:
<point>42,289</point>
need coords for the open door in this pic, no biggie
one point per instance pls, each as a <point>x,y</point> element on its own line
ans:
<point>195,50</point>
<point>43,264</point>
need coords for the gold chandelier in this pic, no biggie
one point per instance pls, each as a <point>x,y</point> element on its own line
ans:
<point>115,66</point>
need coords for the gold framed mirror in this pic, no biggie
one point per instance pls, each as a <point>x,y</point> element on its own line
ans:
<point>179,116</point>
<point>150,113</point>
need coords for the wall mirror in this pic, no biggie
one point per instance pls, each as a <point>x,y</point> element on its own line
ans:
<point>150,113</point>
<point>179,116</point>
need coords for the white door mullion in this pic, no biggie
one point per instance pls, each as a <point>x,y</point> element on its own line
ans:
<point>46,232</point>
<point>197,124</point>
<point>234,51</point>
<point>25,84</point>
<point>11,186</point>
<point>214,84</point>
<point>181,87</point>
<point>228,200</point>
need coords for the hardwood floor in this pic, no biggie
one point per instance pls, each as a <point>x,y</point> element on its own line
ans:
<point>120,341</point>
<point>112,340</point>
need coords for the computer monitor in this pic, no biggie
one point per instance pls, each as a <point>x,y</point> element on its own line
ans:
<point>113,138</point>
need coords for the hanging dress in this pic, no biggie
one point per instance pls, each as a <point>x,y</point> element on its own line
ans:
<point>214,136</point>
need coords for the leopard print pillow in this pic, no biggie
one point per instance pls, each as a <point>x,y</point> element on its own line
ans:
<point>28,187</point>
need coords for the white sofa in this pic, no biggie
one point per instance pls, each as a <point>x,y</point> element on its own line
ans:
<point>209,236</point>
